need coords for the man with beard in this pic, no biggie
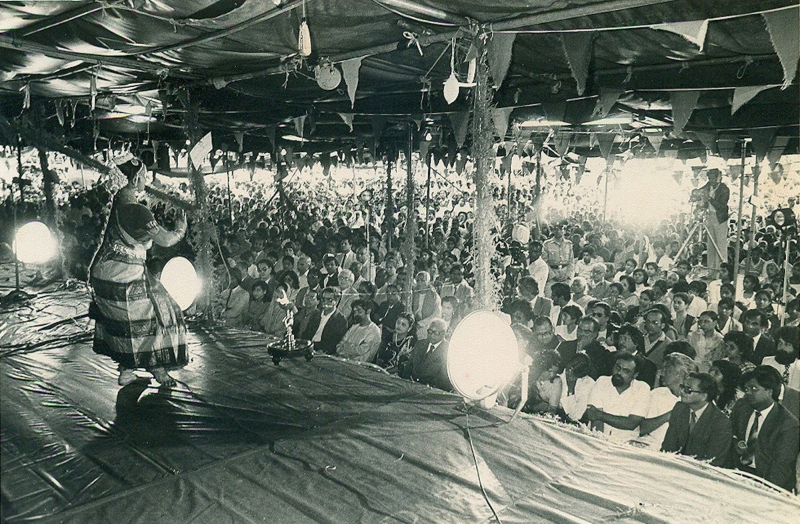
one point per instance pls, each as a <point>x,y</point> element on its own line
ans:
<point>362,340</point>
<point>787,356</point>
<point>327,325</point>
<point>618,404</point>
<point>586,341</point>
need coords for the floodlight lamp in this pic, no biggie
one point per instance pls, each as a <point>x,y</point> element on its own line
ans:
<point>35,244</point>
<point>482,357</point>
<point>366,196</point>
<point>180,280</point>
<point>783,219</point>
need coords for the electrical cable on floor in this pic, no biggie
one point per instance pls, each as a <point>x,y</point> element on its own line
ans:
<point>475,460</point>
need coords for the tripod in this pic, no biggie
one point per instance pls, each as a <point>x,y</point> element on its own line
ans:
<point>697,229</point>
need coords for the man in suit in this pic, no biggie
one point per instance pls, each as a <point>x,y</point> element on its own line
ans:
<point>586,341</point>
<point>529,290</point>
<point>428,358</point>
<point>697,427</point>
<point>330,277</point>
<point>327,326</point>
<point>716,220</point>
<point>755,325</point>
<point>765,435</point>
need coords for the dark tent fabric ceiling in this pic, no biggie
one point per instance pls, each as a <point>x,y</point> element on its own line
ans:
<point>237,62</point>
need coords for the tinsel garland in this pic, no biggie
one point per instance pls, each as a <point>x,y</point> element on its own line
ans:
<point>487,288</point>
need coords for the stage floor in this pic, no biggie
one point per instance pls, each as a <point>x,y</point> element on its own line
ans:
<point>326,441</point>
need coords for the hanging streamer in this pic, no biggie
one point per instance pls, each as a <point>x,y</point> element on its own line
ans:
<point>762,140</point>
<point>348,119</point>
<point>499,56</point>
<point>734,171</point>
<point>693,31</point>
<point>460,123</point>
<point>709,139</point>
<point>742,95</point>
<point>606,142</point>
<point>578,48</point>
<point>563,141</point>
<point>350,70</point>
<point>555,111</point>
<point>784,31</point>
<point>683,104</point>
<point>725,147</point>
<point>239,135</point>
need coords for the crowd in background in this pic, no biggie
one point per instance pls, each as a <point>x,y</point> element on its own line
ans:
<point>626,331</point>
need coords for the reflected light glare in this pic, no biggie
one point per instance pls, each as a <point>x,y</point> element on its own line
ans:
<point>482,355</point>
<point>181,281</point>
<point>35,244</point>
<point>644,195</point>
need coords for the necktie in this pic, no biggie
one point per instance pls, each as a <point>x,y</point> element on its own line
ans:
<point>692,420</point>
<point>752,437</point>
<point>786,374</point>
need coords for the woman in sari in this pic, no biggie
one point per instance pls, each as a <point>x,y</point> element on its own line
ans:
<point>137,323</point>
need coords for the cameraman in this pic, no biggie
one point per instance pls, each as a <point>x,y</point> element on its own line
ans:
<point>716,221</point>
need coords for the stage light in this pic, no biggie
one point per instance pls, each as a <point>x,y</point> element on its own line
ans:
<point>482,357</point>
<point>181,281</point>
<point>35,244</point>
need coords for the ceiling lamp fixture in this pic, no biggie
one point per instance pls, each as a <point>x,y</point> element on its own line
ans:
<point>328,76</point>
<point>304,40</point>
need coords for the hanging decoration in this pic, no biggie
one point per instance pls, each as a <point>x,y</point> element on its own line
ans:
<point>26,93</point>
<point>656,139</point>
<point>327,76</point>
<point>299,124</point>
<point>555,111</point>
<point>776,151</point>
<point>683,104</point>
<point>59,112</point>
<point>578,48</point>
<point>776,174</point>
<point>460,122</point>
<point>762,140</point>
<point>201,150</point>
<point>709,139</point>
<point>734,171</point>
<point>500,117</point>
<point>725,147</point>
<point>304,37</point>
<point>93,90</point>
<point>347,118</point>
<point>606,142</point>
<point>784,31</point>
<point>694,31</point>
<point>742,95</point>
<point>350,70</point>
<point>605,102</point>
<point>499,49</point>
<point>563,141</point>
<point>451,85</point>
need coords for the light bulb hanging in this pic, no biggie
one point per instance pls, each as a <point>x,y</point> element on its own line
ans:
<point>304,40</point>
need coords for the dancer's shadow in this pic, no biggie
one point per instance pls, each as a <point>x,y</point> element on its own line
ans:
<point>145,417</point>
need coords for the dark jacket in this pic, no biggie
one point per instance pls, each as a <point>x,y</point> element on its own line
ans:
<point>430,367</point>
<point>777,445</point>
<point>710,438</point>
<point>332,333</point>
<point>765,348</point>
<point>602,359</point>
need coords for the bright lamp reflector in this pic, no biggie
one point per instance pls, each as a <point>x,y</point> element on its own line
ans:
<point>35,244</point>
<point>482,355</point>
<point>180,280</point>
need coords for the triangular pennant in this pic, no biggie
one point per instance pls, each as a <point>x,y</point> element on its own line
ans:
<point>505,164</point>
<point>593,140</point>
<point>578,48</point>
<point>693,31</point>
<point>606,142</point>
<point>742,95</point>
<point>762,140</point>
<point>703,155</point>
<point>678,176</point>
<point>734,171</point>
<point>683,104</point>
<point>499,56</point>
<point>350,72</point>
<point>784,31</point>
<point>500,116</point>
<point>606,101</point>
<point>775,152</point>
<point>299,124</point>
<point>555,111</point>
<point>656,139</point>
<point>708,138</point>
<point>348,119</point>
<point>563,141</point>
<point>725,147</point>
<point>460,123</point>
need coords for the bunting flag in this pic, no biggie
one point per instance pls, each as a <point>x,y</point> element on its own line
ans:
<point>538,143</point>
<point>350,70</point>
<point>239,136</point>
<point>299,124</point>
<point>784,31</point>
<point>762,140</point>
<point>606,100</point>
<point>742,95</point>
<point>655,140</point>
<point>683,104</point>
<point>775,152</point>
<point>606,142</point>
<point>424,147</point>
<point>460,122</point>
<point>347,118</point>
<point>505,164</point>
<point>693,31</point>
<point>578,48</point>
<point>725,147</point>
<point>708,138</point>
<point>563,141</point>
<point>555,111</point>
<point>678,176</point>
<point>500,116</point>
<point>734,171</point>
<point>499,56</point>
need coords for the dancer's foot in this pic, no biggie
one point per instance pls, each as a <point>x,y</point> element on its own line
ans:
<point>163,378</point>
<point>126,376</point>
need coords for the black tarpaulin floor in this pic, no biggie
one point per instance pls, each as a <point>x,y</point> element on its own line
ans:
<point>329,441</point>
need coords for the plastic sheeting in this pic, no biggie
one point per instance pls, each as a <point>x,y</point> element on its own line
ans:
<point>243,440</point>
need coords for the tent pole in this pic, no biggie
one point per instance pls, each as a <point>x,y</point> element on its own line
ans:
<point>388,218</point>
<point>605,193</point>
<point>411,219</point>
<point>752,237</point>
<point>428,206</point>
<point>738,248</point>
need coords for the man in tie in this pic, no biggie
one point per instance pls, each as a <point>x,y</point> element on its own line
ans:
<point>765,434</point>
<point>697,427</point>
<point>428,358</point>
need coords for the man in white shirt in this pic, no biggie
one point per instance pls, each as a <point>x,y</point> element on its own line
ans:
<point>787,356</point>
<point>303,265</point>
<point>618,404</point>
<point>361,341</point>
<point>537,267</point>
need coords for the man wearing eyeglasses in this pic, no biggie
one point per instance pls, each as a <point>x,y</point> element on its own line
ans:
<point>697,427</point>
<point>428,358</point>
<point>618,404</point>
<point>327,326</point>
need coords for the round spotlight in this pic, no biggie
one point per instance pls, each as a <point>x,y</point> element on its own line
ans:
<point>779,218</point>
<point>482,355</point>
<point>180,280</point>
<point>35,244</point>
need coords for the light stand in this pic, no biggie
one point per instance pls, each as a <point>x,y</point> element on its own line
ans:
<point>786,223</point>
<point>366,200</point>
